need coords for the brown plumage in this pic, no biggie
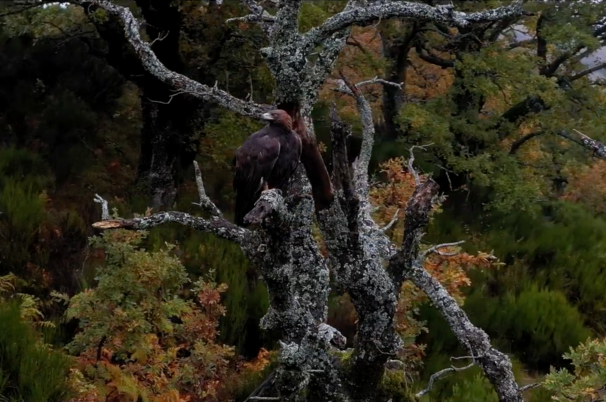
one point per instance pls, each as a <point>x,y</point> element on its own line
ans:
<point>266,160</point>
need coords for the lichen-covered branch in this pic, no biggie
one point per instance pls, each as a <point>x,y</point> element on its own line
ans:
<point>496,365</point>
<point>436,376</point>
<point>259,15</point>
<point>205,202</point>
<point>597,147</point>
<point>408,264</point>
<point>179,82</point>
<point>360,166</point>
<point>297,279</point>
<point>316,74</point>
<point>104,207</point>
<point>266,17</point>
<point>416,219</point>
<point>406,10</point>
<point>219,227</point>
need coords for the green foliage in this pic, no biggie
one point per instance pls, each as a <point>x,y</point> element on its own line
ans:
<point>538,324</point>
<point>396,387</point>
<point>548,297</point>
<point>561,250</point>
<point>312,14</point>
<point>23,214</point>
<point>478,389</point>
<point>29,370</point>
<point>204,254</point>
<point>587,381</point>
<point>466,125</point>
<point>126,294</point>
<point>139,321</point>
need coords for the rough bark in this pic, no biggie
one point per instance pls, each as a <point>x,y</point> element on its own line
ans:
<point>282,245</point>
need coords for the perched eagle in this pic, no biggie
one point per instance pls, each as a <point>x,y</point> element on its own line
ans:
<point>266,160</point>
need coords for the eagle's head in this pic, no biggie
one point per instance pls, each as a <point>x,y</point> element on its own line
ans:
<point>278,117</point>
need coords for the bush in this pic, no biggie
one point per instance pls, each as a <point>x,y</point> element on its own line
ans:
<point>29,370</point>
<point>142,335</point>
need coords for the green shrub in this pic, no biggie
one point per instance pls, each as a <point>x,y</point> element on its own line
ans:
<point>478,389</point>
<point>29,370</point>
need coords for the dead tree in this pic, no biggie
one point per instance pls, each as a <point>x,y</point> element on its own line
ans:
<point>282,246</point>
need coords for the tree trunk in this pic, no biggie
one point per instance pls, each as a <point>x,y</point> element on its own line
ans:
<point>395,50</point>
<point>168,141</point>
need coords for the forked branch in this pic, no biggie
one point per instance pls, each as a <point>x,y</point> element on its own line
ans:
<point>217,224</point>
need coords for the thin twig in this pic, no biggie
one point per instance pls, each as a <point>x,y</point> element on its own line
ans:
<point>436,249</point>
<point>392,222</point>
<point>530,386</point>
<point>205,202</point>
<point>447,175</point>
<point>441,374</point>
<point>412,159</point>
<point>266,17</point>
<point>160,38</point>
<point>343,87</point>
<point>170,98</point>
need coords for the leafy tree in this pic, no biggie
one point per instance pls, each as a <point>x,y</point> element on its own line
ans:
<point>140,338</point>
<point>506,122</point>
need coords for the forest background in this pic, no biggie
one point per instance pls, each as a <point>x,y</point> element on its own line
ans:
<point>173,314</point>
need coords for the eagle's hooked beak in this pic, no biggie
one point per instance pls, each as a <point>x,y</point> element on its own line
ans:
<point>267,116</point>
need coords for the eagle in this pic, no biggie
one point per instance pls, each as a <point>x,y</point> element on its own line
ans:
<point>266,160</point>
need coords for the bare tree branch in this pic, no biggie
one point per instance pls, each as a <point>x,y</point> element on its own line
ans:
<point>530,386</point>
<point>266,17</point>
<point>341,170</point>
<point>440,374</point>
<point>360,165</point>
<point>406,10</point>
<point>411,160</point>
<point>522,140</point>
<point>180,82</point>
<point>205,202</point>
<point>316,74</point>
<point>496,365</point>
<point>104,208</point>
<point>392,222</point>
<point>344,88</point>
<point>217,224</point>
<point>431,58</point>
<point>597,147</point>
<point>588,71</point>
<point>263,18</point>
<point>408,264</point>
<point>219,227</point>
<point>436,249</point>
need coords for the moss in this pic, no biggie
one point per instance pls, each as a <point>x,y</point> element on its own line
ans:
<point>396,387</point>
